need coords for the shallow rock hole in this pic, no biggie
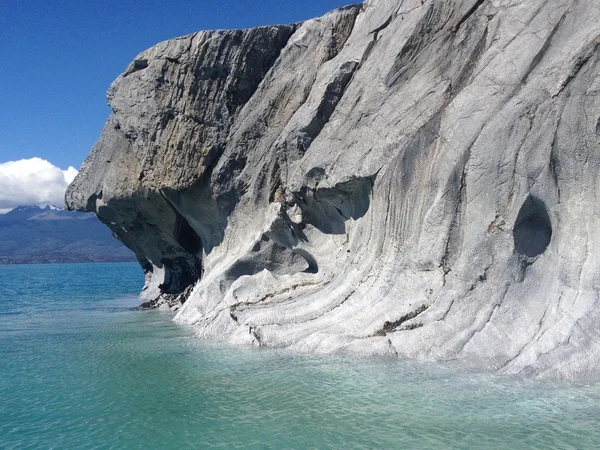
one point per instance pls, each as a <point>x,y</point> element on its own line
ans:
<point>532,231</point>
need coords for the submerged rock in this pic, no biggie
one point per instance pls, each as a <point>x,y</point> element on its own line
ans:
<point>416,178</point>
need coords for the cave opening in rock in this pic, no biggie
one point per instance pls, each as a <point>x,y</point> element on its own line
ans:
<point>186,236</point>
<point>533,230</point>
<point>179,273</point>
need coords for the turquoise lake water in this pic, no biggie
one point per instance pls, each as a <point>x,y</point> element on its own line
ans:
<point>79,369</point>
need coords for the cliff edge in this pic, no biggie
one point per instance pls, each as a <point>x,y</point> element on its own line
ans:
<point>416,178</point>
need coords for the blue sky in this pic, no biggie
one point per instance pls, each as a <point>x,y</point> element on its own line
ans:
<point>60,56</point>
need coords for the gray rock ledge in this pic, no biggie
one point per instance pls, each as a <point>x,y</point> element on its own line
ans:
<point>416,178</point>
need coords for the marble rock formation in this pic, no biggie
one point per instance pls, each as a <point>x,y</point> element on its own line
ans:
<point>416,178</point>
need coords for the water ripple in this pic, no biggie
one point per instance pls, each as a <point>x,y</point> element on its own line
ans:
<point>84,371</point>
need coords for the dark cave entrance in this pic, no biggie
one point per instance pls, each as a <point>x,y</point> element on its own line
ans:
<point>186,236</point>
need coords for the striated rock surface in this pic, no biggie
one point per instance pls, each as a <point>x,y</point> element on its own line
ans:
<point>416,178</point>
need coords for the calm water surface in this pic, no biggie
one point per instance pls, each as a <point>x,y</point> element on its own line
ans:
<point>80,369</point>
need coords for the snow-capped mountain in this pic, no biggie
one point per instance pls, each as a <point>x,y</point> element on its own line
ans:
<point>34,234</point>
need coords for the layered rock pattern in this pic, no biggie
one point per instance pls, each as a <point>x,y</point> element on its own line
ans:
<point>416,178</point>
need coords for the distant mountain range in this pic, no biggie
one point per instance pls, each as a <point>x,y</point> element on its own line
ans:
<point>31,235</point>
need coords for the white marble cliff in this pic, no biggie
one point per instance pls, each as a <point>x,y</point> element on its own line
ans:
<point>415,178</point>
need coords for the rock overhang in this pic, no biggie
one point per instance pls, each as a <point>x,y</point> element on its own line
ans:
<point>413,178</point>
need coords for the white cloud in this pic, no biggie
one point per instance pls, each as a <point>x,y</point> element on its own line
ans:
<point>33,181</point>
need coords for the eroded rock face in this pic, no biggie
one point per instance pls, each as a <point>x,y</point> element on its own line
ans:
<point>416,178</point>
